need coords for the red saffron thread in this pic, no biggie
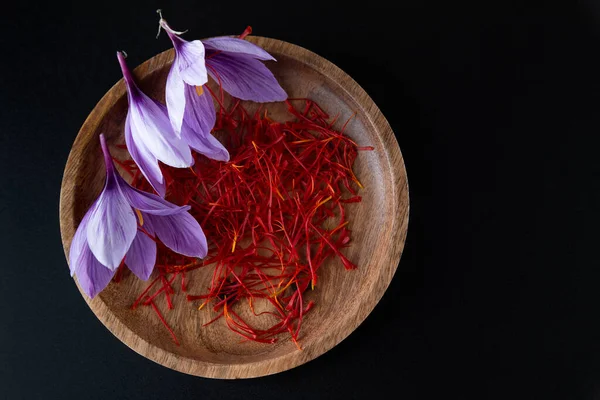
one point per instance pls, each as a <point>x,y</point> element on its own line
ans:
<point>273,215</point>
<point>164,322</point>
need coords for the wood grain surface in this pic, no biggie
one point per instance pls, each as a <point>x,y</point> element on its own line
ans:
<point>343,298</point>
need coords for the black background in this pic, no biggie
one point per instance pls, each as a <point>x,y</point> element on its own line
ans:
<point>496,107</point>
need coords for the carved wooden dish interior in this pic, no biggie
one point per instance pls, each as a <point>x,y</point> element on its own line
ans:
<point>343,298</point>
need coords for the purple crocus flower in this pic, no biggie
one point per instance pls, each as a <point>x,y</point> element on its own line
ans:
<point>123,223</point>
<point>234,63</point>
<point>191,110</point>
<point>149,135</point>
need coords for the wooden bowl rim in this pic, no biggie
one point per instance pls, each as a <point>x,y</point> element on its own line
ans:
<point>289,360</point>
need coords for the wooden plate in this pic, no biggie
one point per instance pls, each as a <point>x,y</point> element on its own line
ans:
<point>343,298</point>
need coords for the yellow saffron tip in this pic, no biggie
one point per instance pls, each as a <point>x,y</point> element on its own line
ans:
<point>319,204</point>
<point>279,194</point>
<point>277,301</point>
<point>199,90</point>
<point>339,227</point>
<point>358,183</point>
<point>297,345</point>
<point>302,141</point>
<point>225,309</point>
<point>140,218</point>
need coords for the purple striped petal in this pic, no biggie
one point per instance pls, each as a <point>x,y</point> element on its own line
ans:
<point>146,224</point>
<point>200,112</point>
<point>245,77</point>
<point>141,257</point>
<point>149,203</point>
<point>92,276</point>
<point>207,145</point>
<point>79,245</point>
<point>181,233</point>
<point>199,119</point>
<point>111,227</point>
<point>235,45</point>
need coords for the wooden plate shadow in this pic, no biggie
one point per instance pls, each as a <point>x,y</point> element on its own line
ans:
<point>343,298</point>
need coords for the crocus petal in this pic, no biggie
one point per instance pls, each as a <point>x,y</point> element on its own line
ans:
<point>175,98</point>
<point>145,160</point>
<point>79,245</point>
<point>149,203</point>
<point>92,276</point>
<point>181,233</point>
<point>205,144</point>
<point>245,78</point>
<point>199,120</point>
<point>141,257</point>
<point>146,223</point>
<point>111,227</point>
<point>235,45</point>
<point>200,112</point>
<point>149,124</point>
<point>189,61</point>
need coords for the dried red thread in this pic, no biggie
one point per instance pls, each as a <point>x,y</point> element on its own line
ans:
<point>273,215</point>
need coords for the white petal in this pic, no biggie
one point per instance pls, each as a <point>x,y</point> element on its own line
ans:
<point>190,62</point>
<point>175,96</point>
<point>111,228</point>
<point>145,160</point>
<point>149,124</point>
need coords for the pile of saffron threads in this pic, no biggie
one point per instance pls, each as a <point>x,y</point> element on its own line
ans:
<point>273,215</point>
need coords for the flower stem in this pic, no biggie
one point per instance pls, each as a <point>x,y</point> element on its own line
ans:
<point>124,69</point>
<point>107,158</point>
